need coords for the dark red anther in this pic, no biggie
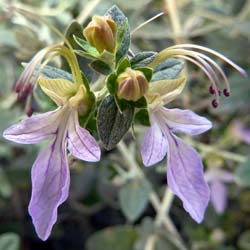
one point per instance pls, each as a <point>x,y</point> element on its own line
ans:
<point>19,86</point>
<point>211,90</point>
<point>219,92</point>
<point>215,103</point>
<point>30,111</point>
<point>28,88</point>
<point>226,92</point>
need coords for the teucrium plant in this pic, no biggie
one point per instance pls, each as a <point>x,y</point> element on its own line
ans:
<point>130,89</point>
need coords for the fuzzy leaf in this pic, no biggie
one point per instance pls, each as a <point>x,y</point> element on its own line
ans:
<point>133,198</point>
<point>142,117</point>
<point>142,59</point>
<point>242,174</point>
<point>169,69</point>
<point>9,241</point>
<point>101,67</point>
<point>111,124</point>
<point>118,238</point>
<point>86,46</point>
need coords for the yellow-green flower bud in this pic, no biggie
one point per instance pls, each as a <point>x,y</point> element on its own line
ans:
<point>132,85</point>
<point>101,33</point>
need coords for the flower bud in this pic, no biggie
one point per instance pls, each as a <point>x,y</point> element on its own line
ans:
<point>101,33</point>
<point>132,85</point>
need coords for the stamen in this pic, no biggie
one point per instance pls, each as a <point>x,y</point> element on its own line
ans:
<point>211,90</point>
<point>208,74</point>
<point>226,92</point>
<point>215,103</point>
<point>213,52</point>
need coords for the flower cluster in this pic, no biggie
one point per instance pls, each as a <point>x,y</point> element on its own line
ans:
<point>129,86</point>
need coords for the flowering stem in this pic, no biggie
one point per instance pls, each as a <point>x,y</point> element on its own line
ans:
<point>228,155</point>
<point>167,201</point>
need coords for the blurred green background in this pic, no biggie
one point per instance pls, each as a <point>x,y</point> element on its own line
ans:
<point>94,217</point>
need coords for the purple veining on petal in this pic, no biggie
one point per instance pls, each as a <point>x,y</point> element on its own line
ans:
<point>50,186</point>
<point>185,121</point>
<point>81,143</point>
<point>154,146</point>
<point>185,177</point>
<point>33,129</point>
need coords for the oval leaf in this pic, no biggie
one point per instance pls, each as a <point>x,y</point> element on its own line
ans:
<point>142,59</point>
<point>169,69</point>
<point>134,198</point>
<point>9,241</point>
<point>111,124</point>
<point>118,238</point>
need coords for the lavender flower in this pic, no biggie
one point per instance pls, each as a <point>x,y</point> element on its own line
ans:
<point>217,179</point>
<point>50,172</point>
<point>184,166</point>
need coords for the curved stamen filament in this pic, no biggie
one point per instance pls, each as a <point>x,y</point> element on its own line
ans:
<point>205,71</point>
<point>213,52</point>
<point>222,73</point>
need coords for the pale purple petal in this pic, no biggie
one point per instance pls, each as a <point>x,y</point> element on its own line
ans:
<point>185,121</point>
<point>50,186</point>
<point>154,146</point>
<point>218,196</point>
<point>81,143</point>
<point>185,177</point>
<point>219,175</point>
<point>33,129</point>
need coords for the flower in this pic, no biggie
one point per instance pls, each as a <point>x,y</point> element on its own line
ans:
<point>101,33</point>
<point>184,166</point>
<point>50,171</point>
<point>217,179</point>
<point>132,85</point>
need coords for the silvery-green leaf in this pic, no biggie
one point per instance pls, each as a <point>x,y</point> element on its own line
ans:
<point>117,238</point>
<point>169,69</point>
<point>9,241</point>
<point>112,125</point>
<point>134,197</point>
<point>142,59</point>
<point>242,174</point>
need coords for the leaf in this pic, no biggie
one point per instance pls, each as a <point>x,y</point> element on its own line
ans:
<point>118,238</point>
<point>242,174</point>
<point>117,15</point>
<point>111,124</point>
<point>169,69</point>
<point>9,241</point>
<point>142,117</point>
<point>123,65</point>
<point>86,46</point>
<point>5,187</point>
<point>74,28</point>
<point>134,197</point>
<point>111,83</point>
<point>101,67</point>
<point>121,32</point>
<point>142,59</point>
